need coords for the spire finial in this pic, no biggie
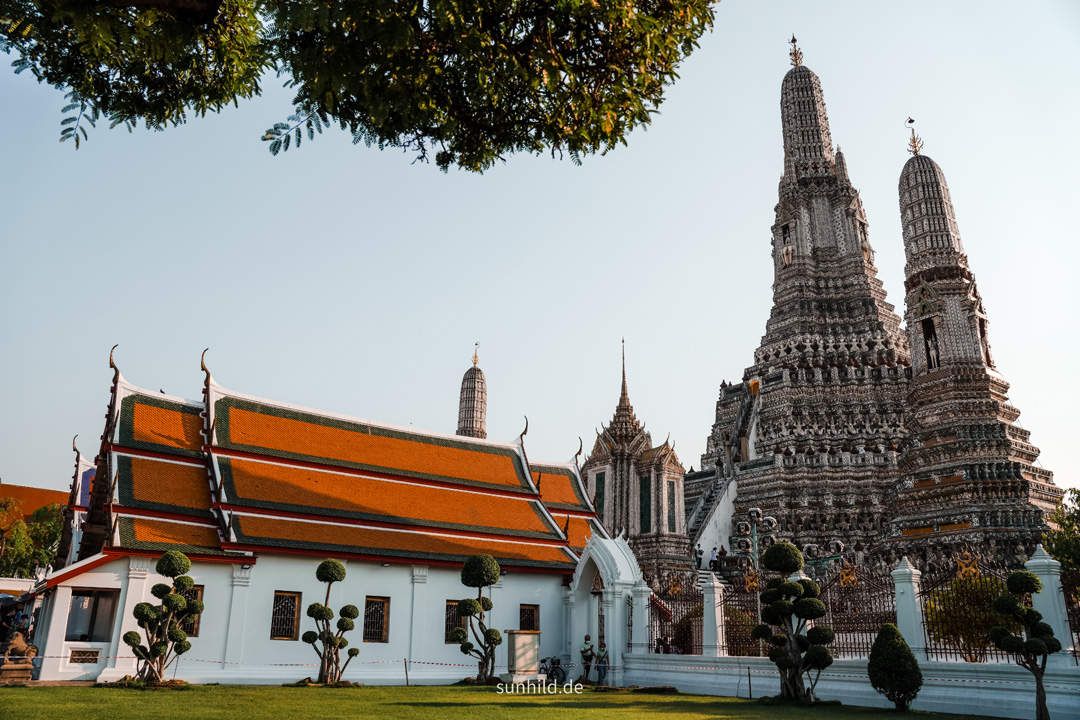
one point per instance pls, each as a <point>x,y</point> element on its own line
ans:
<point>625,394</point>
<point>796,53</point>
<point>915,143</point>
<point>476,354</point>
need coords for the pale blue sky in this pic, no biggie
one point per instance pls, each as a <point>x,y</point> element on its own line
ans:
<point>350,280</point>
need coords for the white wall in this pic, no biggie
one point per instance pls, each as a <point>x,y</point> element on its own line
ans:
<point>234,644</point>
<point>973,688</point>
<point>716,531</point>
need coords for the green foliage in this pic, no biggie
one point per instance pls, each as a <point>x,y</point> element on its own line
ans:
<point>493,637</point>
<point>894,672</point>
<point>144,612</point>
<point>183,583</point>
<point>820,635</point>
<point>777,640</point>
<point>740,624</point>
<point>1062,542</point>
<point>468,607</point>
<point>485,604</point>
<point>174,604</point>
<point>132,638</point>
<point>176,635</point>
<point>771,595</point>
<point>160,590</point>
<point>480,571</point>
<point>330,571</point>
<point>173,564</point>
<point>761,632</point>
<point>791,589</point>
<point>27,545</point>
<point>809,609</point>
<point>458,635</point>
<point>810,588</point>
<point>332,643</point>
<point>353,652</point>
<point>774,583</point>
<point>783,558</point>
<point>318,611</point>
<point>817,657</point>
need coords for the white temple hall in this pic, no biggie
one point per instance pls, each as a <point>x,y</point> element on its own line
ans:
<point>257,493</point>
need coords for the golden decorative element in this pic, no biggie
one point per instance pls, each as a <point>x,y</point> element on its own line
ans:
<point>796,53</point>
<point>848,579</point>
<point>915,144</point>
<point>751,581</point>
<point>967,566</point>
<point>476,355</point>
<point>676,586</point>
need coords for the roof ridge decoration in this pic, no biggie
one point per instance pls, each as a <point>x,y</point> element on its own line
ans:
<point>117,377</point>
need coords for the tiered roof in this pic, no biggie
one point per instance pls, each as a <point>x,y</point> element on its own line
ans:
<point>237,475</point>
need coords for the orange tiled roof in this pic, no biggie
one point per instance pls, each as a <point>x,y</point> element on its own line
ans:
<point>32,498</point>
<point>139,533</point>
<point>148,422</point>
<point>270,430</point>
<point>160,485</point>
<point>275,532</point>
<point>309,490</point>
<point>580,530</point>
<point>559,488</point>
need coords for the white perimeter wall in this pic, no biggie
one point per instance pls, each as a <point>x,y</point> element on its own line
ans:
<point>234,645</point>
<point>995,690</point>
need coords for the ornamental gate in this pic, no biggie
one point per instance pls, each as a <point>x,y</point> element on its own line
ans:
<point>740,613</point>
<point>1071,589</point>
<point>857,602</point>
<point>958,614</point>
<point>675,616</point>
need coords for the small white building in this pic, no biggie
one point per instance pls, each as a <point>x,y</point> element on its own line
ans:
<point>257,493</point>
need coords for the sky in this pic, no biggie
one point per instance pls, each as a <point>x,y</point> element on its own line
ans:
<point>355,281</point>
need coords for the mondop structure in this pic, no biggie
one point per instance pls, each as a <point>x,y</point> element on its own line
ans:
<point>845,427</point>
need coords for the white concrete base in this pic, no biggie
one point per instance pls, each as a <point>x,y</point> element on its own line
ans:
<point>515,678</point>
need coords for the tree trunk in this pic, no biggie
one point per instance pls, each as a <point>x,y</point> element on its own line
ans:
<point>1041,711</point>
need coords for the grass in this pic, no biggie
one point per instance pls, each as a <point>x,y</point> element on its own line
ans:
<point>208,702</point>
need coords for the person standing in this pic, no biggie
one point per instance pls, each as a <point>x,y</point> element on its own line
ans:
<point>712,560</point>
<point>698,555</point>
<point>601,664</point>
<point>587,654</point>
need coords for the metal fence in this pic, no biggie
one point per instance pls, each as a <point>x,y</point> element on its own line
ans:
<point>1070,587</point>
<point>739,614</point>
<point>857,602</point>
<point>675,616</point>
<point>958,614</point>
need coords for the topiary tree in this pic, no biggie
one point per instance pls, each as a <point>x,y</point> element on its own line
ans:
<point>894,672</point>
<point>790,606</point>
<point>479,571</point>
<point>1032,640</point>
<point>331,642</point>
<point>165,639</point>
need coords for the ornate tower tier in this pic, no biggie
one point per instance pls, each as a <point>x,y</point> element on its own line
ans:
<point>638,489</point>
<point>811,433</point>
<point>967,468</point>
<point>472,408</point>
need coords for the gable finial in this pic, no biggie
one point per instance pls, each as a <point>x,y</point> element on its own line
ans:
<point>476,354</point>
<point>796,53</point>
<point>73,444</point>
<point>202,364</point>
<point>915,143</point>
<point>116,370</point>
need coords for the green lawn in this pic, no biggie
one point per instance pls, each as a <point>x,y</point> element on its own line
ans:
<point>390,703</point>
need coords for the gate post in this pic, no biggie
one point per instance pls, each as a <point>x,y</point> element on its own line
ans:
<point>640,638</point>
<point>909,617</point>
<point>712,618</point>
<point>1051,602</point>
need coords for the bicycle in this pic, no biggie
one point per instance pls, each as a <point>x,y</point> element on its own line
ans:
<point>552,667</point>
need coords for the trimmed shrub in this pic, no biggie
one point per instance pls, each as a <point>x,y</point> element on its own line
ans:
<point>894,672</point>
<point>479,571</point>
<point>163,639</point>
<point>330,667</point>
<point>783,558</point>
<point>1024,634</point>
